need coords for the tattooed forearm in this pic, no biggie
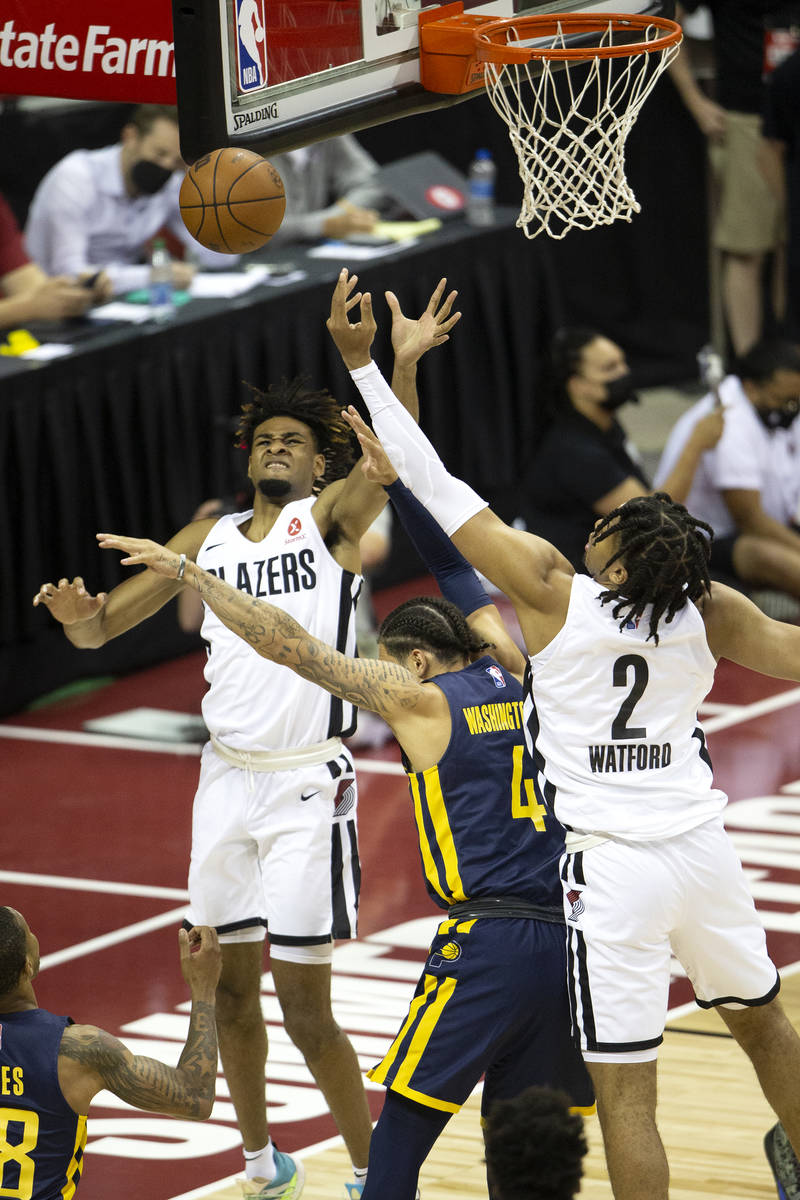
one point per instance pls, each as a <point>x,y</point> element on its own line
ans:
<point>183,1091</point>
<point>381,686</point>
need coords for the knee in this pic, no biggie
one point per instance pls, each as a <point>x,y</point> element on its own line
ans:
<point>312,1030</point>
<point>237,1005</point>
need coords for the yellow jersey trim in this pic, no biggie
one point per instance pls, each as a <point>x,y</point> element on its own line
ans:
<point>75,1167</point>
<point>444,834</point>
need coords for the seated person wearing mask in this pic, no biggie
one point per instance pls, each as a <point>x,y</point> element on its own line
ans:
<point>98,209</point>
<point>584,465</point>
<point>748,486</point>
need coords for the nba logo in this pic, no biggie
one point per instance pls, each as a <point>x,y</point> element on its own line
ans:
<point>251,46</point>
<point>497,677</point>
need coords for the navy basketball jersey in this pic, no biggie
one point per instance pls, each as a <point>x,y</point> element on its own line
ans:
<point>41,1138</point>
<point>483,830</point>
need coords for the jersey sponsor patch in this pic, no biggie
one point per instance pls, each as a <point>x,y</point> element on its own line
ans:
<point>496,675</point>
<point>294,527</point>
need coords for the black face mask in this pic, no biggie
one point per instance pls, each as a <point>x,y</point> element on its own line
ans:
<point>620,391</point>
<point>779,418</point>
<point>148,177</point>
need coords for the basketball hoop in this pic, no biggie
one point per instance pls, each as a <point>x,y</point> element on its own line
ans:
<point>569,87</point>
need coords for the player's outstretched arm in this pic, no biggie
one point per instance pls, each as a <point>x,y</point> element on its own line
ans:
<point>91,621</point>
<point>91,1059</point>
<point>383,687</point>
<point>738,630</point>
<point>413,338</point>
<point>457,580</point>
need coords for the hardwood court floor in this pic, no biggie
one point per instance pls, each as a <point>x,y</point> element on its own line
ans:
<point>711,1114</point>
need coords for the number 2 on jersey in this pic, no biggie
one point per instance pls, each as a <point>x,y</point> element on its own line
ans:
<point>620,730</point>
<point>529,807</point>
<point>18,1152</point>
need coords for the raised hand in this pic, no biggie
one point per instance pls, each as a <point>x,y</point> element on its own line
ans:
<point>201,959</point>
<point>412,338</point>
<point>375,463</point>
<point>144,552</point>
<point>68,601</point>
<point>353,341</point>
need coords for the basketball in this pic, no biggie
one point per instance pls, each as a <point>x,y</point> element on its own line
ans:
<point>232,200</point>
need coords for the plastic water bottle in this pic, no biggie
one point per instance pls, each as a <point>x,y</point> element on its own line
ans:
<point>161,289</point>
<point>480,201</point>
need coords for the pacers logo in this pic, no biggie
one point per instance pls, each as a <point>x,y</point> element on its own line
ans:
<point>251,46</point>
<point>445,955</point>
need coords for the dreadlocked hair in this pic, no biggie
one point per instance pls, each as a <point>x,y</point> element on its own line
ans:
<point>430,623</point>
<point>665,551</point>
<point>319,410</point>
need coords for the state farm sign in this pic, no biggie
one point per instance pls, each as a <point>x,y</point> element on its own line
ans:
<point>88,50</point>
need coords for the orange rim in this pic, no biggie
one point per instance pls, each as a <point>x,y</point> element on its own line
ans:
<point>488,49</point>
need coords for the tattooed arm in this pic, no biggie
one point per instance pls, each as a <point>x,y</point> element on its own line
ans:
<point>384,687</point>
<point>90,1059</point>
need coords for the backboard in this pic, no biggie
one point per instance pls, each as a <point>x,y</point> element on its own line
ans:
<point>273,75</point>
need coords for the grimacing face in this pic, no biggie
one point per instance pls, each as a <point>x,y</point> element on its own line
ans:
<point>284,458</point>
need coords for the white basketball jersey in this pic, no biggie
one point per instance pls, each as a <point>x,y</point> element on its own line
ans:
<point>252,703</point>
<point>611,721</point>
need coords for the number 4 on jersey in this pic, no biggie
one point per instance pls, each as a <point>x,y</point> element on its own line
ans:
<point>528,807</point>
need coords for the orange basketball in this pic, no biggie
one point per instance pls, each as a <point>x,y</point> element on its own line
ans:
<point>232,200</point>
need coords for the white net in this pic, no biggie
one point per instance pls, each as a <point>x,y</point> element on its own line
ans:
<point>568,122</point>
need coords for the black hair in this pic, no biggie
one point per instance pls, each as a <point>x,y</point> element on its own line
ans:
<point>429,623</point>
<point>319,410</point>
<point>566,352</point>
<point>144,116</point>
<point>665,551</point>
<point>767,357</point>
<point>534,1147</point>
<point>13,950</point>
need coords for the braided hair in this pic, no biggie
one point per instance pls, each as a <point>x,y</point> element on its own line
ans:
<point>319,410</point>
<point>665,551</point>
<point>429,623</point>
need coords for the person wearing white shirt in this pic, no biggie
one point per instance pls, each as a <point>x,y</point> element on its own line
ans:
<point>748,487</point>
<point>98,209</point>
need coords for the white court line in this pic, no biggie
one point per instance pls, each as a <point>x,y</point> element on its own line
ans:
<point>749,712</point>
<point>112,939</point>
<point>142,890</point>
<point>111,741</point>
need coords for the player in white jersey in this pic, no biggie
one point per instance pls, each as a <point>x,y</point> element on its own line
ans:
<point>273,827</point>
<point>648,866</point>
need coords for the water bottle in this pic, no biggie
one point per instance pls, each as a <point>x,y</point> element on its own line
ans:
<point>480,201</point>
<point>161,281</point>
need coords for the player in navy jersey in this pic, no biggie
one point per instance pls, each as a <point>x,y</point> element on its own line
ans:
<point>274,844</point>
<point>50,1068</point>
<point>619,659</point>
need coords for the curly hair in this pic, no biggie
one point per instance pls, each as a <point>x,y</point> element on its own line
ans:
<point>534,1147</point>
<point>319,410</point>
<point>13,950</point>
<point>429,623</point>
<point>665,551</point>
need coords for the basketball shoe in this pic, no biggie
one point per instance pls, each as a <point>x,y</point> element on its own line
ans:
<point>783,1160</point>
<point>286,1184</point>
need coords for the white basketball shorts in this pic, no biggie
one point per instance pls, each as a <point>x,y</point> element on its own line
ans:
<point>627,905</point>
<point>275,850</point>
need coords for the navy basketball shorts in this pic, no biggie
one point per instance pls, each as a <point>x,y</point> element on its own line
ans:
<point>492,998</point>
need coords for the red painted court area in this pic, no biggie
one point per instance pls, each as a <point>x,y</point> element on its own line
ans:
<point>96,854</point>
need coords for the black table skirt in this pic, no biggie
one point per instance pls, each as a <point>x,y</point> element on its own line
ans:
<point>131,431</point>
